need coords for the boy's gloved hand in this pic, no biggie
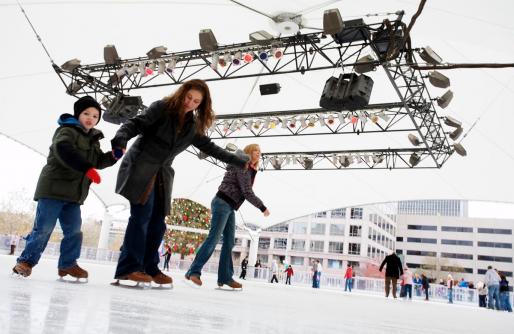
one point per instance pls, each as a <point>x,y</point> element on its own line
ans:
<point>93,175</point>
<point>117,153</point>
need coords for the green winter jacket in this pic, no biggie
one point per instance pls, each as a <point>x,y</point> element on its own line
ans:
<point>72,153</point>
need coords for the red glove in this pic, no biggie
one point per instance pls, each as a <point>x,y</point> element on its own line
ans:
<point>93,175</point>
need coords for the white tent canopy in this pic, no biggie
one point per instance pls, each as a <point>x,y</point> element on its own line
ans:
<point>32,97</point>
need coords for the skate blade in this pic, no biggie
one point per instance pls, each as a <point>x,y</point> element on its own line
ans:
<point>162,286</point>
<point>191,283</point>
<point>228,288</point>
<point>137,286</point>
<point>75,281</point>
<point>18,275</point>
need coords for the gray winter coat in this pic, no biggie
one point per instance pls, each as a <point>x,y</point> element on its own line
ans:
<point>157,145</point>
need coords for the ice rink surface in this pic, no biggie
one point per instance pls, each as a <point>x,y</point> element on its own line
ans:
<point>42,304</point>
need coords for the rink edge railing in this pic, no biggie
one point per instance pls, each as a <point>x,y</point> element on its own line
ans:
<point>367,285</point>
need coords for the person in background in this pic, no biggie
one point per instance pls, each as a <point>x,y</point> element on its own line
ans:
<point>167,257</point>
<point>289,272</point>
<point>348,275</point>
<point>15,239</point>
<point>417,284</point>
<point>482,294</point>
<point>407,281</point>
<point>274,271</point>
<point>492,281</point>
<point>425,284</point>
<point>449,286</point>
<point>63,186</point>
<point>504,294</point>
<point>393,271</point>
<point>244,267</point>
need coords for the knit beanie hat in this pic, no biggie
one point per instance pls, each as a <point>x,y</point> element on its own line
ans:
<point>83,103</point>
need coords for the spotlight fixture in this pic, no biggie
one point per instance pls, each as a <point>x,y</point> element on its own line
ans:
<point>364,64</point>
<point>414,159</point>
<point>171,65</point>
<point>201,155</point>
<point>437,79</point>
<point>111,55</point>
<point>377,158</point>
<point>450,121</point>
<point>156,52</point>
<point>71,65</point>
<point>236,61</point>
<point>413,139</point>
<point>456,134</point>
<point>162,66</point>
<point>332,21</point>
<point>445,100</point>
<point>122,108</point>
<point>215,60</point>
<point>74,87</point>
<point>231,147</point>
<point>308,163</point>
<point>248,57</point>
<point>428,55</point>
<point>345,161</point>
<point>276,52</point>
<point>261,37</point>
<point>263,55</point>
<point>207,40</point>
<point>460,149</point>
<point>276,163</point>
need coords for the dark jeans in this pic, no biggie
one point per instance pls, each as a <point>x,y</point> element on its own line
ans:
<point>223,221</point>
<point>408,290</point>
<point>243,274</point>
<point>143,237</point>
<point>166,264</point>
<point>482,300</point>
<point>426,293</point>
<point>274,278</point>
<point>288,280</point>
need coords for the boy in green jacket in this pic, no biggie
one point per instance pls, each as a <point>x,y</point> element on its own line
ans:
<point>63,186</point>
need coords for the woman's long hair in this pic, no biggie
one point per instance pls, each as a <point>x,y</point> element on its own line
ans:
<point>249,149</point>
<point>204,114</point>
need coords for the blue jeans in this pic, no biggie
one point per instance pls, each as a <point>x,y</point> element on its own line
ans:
<point>408,290</point>
<point>348,284</point>
<point>223,221</point>
<point>47,213</point>
<point>494,294</point>
<point>450,296</point>
<point>505,301</point>
<point>143,237</point>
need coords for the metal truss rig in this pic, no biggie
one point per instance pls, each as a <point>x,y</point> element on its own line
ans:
<point>301,53</point>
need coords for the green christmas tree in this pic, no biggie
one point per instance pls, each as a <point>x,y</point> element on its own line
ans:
<point>188,214</point>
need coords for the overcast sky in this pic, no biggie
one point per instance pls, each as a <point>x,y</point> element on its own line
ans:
<point>32,97</point>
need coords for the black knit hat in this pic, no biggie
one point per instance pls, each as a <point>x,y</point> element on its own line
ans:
<point>83,103</point>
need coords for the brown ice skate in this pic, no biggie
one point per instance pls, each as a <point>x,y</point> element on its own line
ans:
<point>23,269</point>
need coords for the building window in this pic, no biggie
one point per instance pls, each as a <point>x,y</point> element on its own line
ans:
<point>318,229</point>
<point>422,227</point>
<point>284,227</point>
<point>456,229</point>
<point>298,245</point>
<point>421,253</point>
<point>354,264</point>
<point>335,247</point>
<point>495,230</point>
<point>356,213</point>
<point>355,231</point>
<point>264,243</point>
<point>300,228</point>
<point>457,242</point>
<point>422,240</point>
<point>280,243</point>
<point>494,244</point>
<point>238,242</point>
<point>354,248</point>
<point>338,213</point>
<point>322,214</point>
<point>457,269</point>
<point>263,258</point>
<point>494,258</point>
<point>413,265</point>
<point>297,260</point>
<point>317,246</point>
<point>399,251</point>
<point>457,256</point>
<point>336,229</point>
<point>335,264</point>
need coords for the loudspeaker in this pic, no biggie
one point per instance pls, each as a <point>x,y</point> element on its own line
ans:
<point>122,108</point>
<point>349,91</point>
<point>269,89</point>
<point>332,21</point>
<point>354,30</point>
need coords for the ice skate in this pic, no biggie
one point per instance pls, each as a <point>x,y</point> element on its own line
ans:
<point>193,281</point>
<point>80,274</point>
<point>142,280</point>
<point>231,286</point>
<point>22,269</point>
<point>163,281</point>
